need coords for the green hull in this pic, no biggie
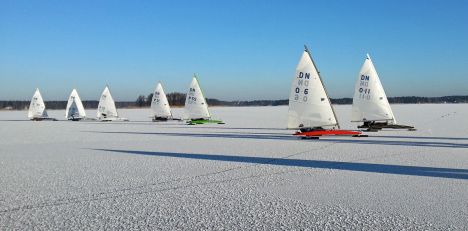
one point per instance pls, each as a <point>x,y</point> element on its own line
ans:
<point>194,122</point>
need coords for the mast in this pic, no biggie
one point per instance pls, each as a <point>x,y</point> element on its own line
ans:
<point>324,88</point>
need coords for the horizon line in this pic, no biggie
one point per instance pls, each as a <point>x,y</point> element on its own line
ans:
<point>411,96</point>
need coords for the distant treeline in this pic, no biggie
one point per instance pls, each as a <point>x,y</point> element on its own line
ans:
<point>178,99</point>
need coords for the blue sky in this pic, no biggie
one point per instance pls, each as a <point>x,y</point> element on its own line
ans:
<point>240,50</point>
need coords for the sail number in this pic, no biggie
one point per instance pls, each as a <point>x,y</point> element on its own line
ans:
<point>157,95</point>
<point>302,87</point>
<point>364,90</point>
<point>191,98</point>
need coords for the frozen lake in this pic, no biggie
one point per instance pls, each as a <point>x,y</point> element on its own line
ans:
<point>247,174</point>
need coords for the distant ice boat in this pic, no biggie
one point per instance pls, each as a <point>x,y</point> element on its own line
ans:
<point>37,109</point>
<point>106,108</point>
<point>196,108</point>
<point>310,109</point>
<point>75,110</point>
<point>160,105</point>
<point>370,103</point>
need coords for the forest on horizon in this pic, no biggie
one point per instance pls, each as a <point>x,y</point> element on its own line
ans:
<point>178,99</point>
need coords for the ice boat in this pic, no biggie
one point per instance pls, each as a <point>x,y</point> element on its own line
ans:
<point>75,110</point>
<point>106,108</point>
<point>196,108</point>
<point>37,109</point>
<point>160,105</point>
<point>370,103</point>
<point>310,109</point>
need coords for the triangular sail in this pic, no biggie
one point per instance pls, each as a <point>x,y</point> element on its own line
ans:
<point>195,103</point>
<point>106,107</point>
<point>75,107</point>
<point>309,104</point>
<point>370,102</point>
<point>37,107</point>
<point>160,104</point>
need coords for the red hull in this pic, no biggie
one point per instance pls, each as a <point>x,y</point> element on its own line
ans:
<point>329,133</point>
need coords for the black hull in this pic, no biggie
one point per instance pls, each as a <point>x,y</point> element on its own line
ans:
<point>377,126</point>
<point>163,119</point>
<point>75,119</point>
<point>44,119</point>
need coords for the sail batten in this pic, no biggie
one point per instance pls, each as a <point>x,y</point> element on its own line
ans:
<point>309,104</point>
<point>75,108</point>
<point>159,103</point>
<point>370,102</point>
<point>195,102</point>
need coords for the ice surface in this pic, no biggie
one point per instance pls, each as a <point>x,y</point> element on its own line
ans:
<point>247,174</point>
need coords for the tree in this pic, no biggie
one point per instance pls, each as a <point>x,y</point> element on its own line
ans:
<point>141,101</point>
<point>149,98</point>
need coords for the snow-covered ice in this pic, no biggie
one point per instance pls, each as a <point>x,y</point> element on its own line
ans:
<point>247,174</point>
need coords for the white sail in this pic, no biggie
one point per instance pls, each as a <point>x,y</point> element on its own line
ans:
<point>160,104</point>
<point>370,102</point>
<point>106,107</point>
<point>309,105</point>
<point>195,103</point>
<point>75,107</point>
<point>37,107</point>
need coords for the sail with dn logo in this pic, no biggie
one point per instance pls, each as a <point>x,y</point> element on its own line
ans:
<point>370,103</point>
<point>310,109</point>
<point>309,105</point>
<point>37,109</point>
<point>160,105</point>
<point>196,108</point>
<point>106,108</point>
<point>195,103</point>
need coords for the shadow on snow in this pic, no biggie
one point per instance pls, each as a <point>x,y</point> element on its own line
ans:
<point>320,164</point>
<point>336,139</point>
<point>424,137</point>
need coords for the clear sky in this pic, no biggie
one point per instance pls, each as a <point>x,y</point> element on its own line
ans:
<point>241,50</point>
